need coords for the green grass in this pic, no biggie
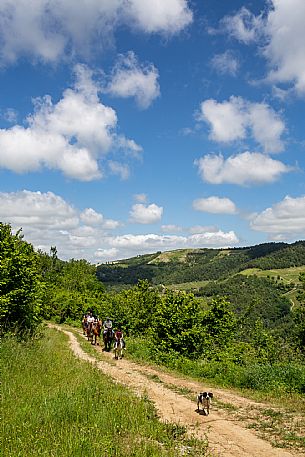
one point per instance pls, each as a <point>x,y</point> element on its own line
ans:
<point>55,405</point>
<point>277,426</point>
<point>288,275</point>
<point>171,256</point>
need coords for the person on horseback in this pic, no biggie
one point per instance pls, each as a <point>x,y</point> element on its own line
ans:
<point>119,344</point>
<point>90,318</point>
<point>118,335</point>
<point>107,334</point>
<point>89,327</point>
<point>107,324</point>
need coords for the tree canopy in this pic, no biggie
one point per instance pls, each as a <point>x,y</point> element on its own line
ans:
<point>21,287</point>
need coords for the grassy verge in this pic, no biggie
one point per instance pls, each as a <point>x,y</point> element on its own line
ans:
<point>278,377</point>
<point>55,405</point>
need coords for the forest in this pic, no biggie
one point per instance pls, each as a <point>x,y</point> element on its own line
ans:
<point>202,264</point>
<point>241,331</point>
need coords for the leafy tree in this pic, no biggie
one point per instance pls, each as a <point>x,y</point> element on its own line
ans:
<point>176,324</point>
<point>299,320</point>
<point>252,297</point>
<point>219,323</point>
<point>21,287</point>
<point>134,308</point>
<point>72,287</point>
<point>299,316</point>
<point>266,347</point>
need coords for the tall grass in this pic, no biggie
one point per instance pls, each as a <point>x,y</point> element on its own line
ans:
<point>57,406</point>
<point>277,377</point>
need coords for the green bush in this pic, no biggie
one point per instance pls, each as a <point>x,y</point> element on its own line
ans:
<point>287,377</point>
<point>21,287</point>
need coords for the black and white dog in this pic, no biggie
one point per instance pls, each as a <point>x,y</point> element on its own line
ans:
<point>204,399</point>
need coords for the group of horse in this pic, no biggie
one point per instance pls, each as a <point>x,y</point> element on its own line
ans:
<point>93,331</point>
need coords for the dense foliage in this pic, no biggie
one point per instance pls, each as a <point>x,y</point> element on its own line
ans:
<point>299,317</point>
<point>202,264</point>
<point>256,297</point>
<point>71,287</point>
<point>21,288</point>
<point>285,256</point>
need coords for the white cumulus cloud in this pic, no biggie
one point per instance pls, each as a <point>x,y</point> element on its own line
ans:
<point>47,219</point>
<point>227,119</point>
<point>215,205</point>
<point>285,50</point>
<point>281,36</point>
<point>283,218</point>
<point>243,169</point>
<point>106,254</point>
<point>91,217</point>
<point>72,135</point>
<point>167,16</point>
<point>267,126</point>
<point>244,26</point>
<point>237,118</point>
<point>26,208</point>
<point>149,214</point>
<point>50,29</point>
<point>132,79</point>
<point>128,244</point>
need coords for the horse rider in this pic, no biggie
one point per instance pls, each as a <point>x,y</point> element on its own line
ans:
<point>90,320</point>
<point>107,324</point>
<point>118,335</point>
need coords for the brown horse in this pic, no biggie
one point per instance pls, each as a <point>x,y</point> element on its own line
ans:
<point>89,332</point>
<point>107,337</point>
<point>96,332</point>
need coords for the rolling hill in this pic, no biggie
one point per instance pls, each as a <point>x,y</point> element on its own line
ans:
<point>261,282</point>
<point>192,265</point>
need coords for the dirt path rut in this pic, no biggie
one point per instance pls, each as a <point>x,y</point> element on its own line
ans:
<point>226,437</point>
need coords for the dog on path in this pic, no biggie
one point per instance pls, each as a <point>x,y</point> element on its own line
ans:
<point>204,400</point>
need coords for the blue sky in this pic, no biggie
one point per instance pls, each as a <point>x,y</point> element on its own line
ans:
<point>133,126</point>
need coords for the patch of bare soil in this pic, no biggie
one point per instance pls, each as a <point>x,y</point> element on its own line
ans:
<point>174,399</point>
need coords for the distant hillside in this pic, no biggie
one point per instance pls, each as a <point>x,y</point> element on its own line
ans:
<point>252,297</point>
<point>189,265</point>
<point>261,282</point>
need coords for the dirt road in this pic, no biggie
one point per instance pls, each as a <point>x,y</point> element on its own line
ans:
<point>174,399</point>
